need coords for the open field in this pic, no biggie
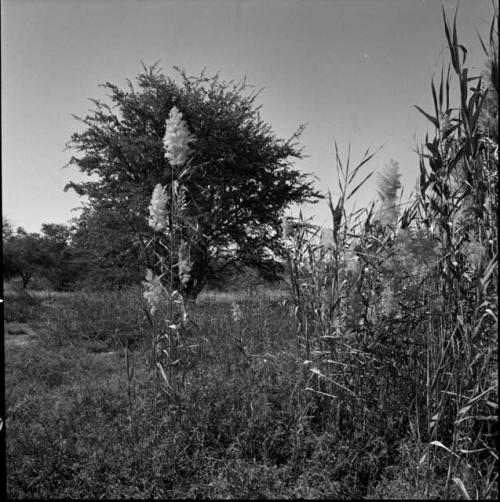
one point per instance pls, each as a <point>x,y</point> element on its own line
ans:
<point>244,426</point>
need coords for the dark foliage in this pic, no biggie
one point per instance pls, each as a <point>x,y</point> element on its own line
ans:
<point>236,193</point>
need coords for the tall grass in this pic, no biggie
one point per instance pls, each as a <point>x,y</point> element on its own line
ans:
<point>459,194</point>
<point>81,424</point>
<point>398,323</point>
<point>108,318</point>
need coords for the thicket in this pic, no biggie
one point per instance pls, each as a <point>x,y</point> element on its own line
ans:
<point>398,318</point>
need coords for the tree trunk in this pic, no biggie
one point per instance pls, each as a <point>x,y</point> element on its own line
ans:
<point>26,279</point>
<point>196,254</point>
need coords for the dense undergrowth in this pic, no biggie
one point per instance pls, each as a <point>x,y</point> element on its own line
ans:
<point>80,425</point>
<point>398,316</point>
<point>77,426</point>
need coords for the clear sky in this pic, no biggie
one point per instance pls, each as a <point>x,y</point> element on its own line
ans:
<point>351,69</point>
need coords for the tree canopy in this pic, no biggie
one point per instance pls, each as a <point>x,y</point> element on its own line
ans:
<point>47,255</point>
<point>240,181</point>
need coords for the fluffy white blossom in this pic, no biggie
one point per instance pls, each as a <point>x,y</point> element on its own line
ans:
<point>287,233</point>
<point>177,137</point>
<point>236,312</point>
<point>154,291</point>
<point>158,209</point>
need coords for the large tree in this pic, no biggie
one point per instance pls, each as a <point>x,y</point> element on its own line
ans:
<point>240,181</point>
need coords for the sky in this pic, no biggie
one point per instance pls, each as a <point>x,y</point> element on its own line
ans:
<point>350,69</point>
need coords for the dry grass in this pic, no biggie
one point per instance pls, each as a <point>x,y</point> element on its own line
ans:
<point>241,296</point>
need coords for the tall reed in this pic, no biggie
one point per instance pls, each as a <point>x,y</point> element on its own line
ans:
<point>398,322</point>
<point>166,287</point>
<point>459,201</point>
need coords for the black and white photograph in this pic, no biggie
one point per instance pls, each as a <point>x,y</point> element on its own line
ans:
<point>249,249</point>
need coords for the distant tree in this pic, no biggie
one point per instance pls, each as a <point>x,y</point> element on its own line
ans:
<point>23,256</point>
<point>57,234</point>
<point>49,255</point>
<point>61,265</point>
<point>10,265</point>
<point>241,184</point>
<point>7,228</point>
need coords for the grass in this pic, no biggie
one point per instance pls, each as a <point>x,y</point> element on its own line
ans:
<point>404,339</point>
<point>245,427</point>
<point>21,308</point>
